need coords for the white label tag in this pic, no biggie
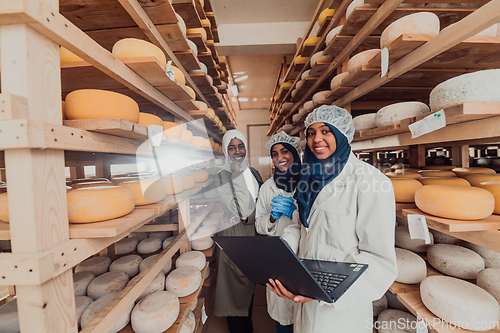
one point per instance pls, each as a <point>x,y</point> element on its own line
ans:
<point>155,135</point>
<point>204,316</point>
<point>170,73</point>
<point>384,61</point>
<point>421,324</point>
<point>429,124</point>
<point>417,225</point>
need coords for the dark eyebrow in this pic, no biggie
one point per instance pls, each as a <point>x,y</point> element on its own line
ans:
<point>325,126</point>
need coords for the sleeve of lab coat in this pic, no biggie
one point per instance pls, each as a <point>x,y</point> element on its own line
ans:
<point>291,234</point>
<point>263,223</point>
<point>226,196</point>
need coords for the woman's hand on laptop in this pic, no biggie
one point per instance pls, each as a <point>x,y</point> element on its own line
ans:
<point>277,288</point>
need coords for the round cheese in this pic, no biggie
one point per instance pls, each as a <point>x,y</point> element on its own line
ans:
<point>460,172</point>
<point>494,189</point>
<point>455,202</point>
<point>477,87</point>
<point>186,135</point>
<point>4,207</point>
<point>106,283</point>
<point>193,47</point>
<point>475,179</point>
<point>81,281</point>
<point>364,122</point>
<point>200,176</point>
<point>403,174</point>
<point>207,274</point>
<point>173,185</point>
<point>192,258</point>
<point>146,119</point>
<point>189,323</point>
<point>488,32</point>
<point>178,75</point>
<point>403,240</point>
<point>411,267</point>
<point>324,15</point>
<point>442,238</point>
<point>68,56</point>
<point>149,245</point>
<point>184,281</point>
<point>155,313</point>
<point>201,244</point>
<point>93,310</point>
<point>146,262</point>
<point>312,40</point>
<point>146,191</point>
<point>126,245</point>
<point>171,129</point>
<point>437,173</point>
<point>200,31</point>
<point>139,235</point>
<point>300,59</point>
<point>309,105</point>
<point>95,265</point>
<point>420,23</point>
<point>320,96</point>
<point>491,258</point>
<point>160,234</point>
<point>299,84</point>
<point>455,260</point>
<point>460,302</point>
<point>353,5</point>
<point>81,303</point>
<point>444,181</point>
<point>98,104</point>
<point>195,303</point>
<point>320,57</point>
<point>396,321</point>
<point>303,77</point>
<point>136,48</point>
<point>333,33</point>
<point>188,181</point>
<point>181,24</point>
<point>379,306</point>
<point>489,280</point>
<point>191,92</point>
<point>439,167</point>
<point>198,141</point>
<point>404,189</point>
<point>394,113</point>
<point>158,284</point>
<point>361,59</point>
<point>337,80</point>
<point>168,241</point>
<point>128,264</point>
<point>9,317</point>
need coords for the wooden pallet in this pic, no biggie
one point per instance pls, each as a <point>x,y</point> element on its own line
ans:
<point>112,126</point>
<point>438,223</point>
<point>187,10</point>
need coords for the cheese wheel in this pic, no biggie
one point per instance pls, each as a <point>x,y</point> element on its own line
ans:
<point>437,173</point>
<point>146,191</point>
<point>299,84</point>
<point>181,24</point>
<point>95,265</point>
<point>475,179</point>
<point>201,244</point>
<point>211,113</point>
<point>455,202</point>
<point>139,235</point>
<point>364,122</point>
<point>320,96</point>
<point>420,23</point>
<point>160,234</point>
<point>173,185</point>
<point>207,274</point>
<point>439,167</point>
<point>191,92</point>
<point>126,245</point>
<point>192,258</point>
<point>146,119</point>
<point>178,75</point>
<point>324,15</point>
<point>93,310</point>
<point>158,284</point>
<point>442,238</point>
<point>379,306</point>
<point>136,48</point>
<point>444,181</point>
<point>460,172</point>
<point>168,241</point>
<point>187,135</point>
<point>303,77</point>
<point>489,280</point>
<point>491,258</point>
<point>206,22</point>
<point>200,176</point>
<point>67,56</point>
<point>81,303</point>
<point>460,302</point>
<point>455,260</point>
<point>477,87</point>
<point>312,40</point>
<point>488,32</point>
<point>193,47</point>
<point>320,57</point>
<point>361,59</point>
<point>409,175</point>
<point>4,207</point>
<point>106,283</point>
<point>128,264</point>
<point>184,281</point>
<point>200,31</point>
<point>300,59</point>
<point>337,80</point>
<point>396,321</point>
<point>411,267</point>
<point>155,313</point>
<point>309,105</point>
<point>146,262</point>
<point>403,240</point>
<point>99,104</point>
<point>333,33</point>
<point>9,317</point>
<point>285,85</point>
<point>404,189</point>
<point>394,113</point>
<point>188,181</point>
<point>149,245</point>
<point>81,281</point>
<point>189,323</point>
<point>198,141</point>
<point>171,129</point>
<point>494,189</point>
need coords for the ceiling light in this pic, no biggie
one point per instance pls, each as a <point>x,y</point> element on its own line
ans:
<point>234,90</point>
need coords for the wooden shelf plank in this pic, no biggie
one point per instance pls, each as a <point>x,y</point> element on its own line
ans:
<point>112,126</point>
<point>215,33</point>
<point>175,328</point>
<point>401,206</point>
<point>188,60</point>
<point>299,66</point>
<point>201,80</point>
<point>200,43</point>
<point>322,29</point>
<point>319,68</point>
<point>209,252</point>
<point>174,37</point>
<point>379,132</point>
<point>308,50</point>
<point>338,92</point>
<point>187,10</point>
<point>339,42</point>
<point>188,105</point>
<point>197,315</point>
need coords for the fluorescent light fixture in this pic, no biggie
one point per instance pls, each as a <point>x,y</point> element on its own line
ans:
<point>243,78</point>
<point>234,90</point>
<point>242,99</point>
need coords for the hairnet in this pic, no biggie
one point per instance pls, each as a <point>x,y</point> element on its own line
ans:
<point>282,137</point>
<point>336,116</point>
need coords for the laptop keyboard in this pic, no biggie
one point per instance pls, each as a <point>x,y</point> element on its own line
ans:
<point>329,281</point>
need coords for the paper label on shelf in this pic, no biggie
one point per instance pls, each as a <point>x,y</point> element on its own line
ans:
<point>421,324</point>
<point>155,135</point>
<point>384,61</point>
<point>429,124</point>
<point>170,73</point>
<point>417,225</point>
<point>204,316</point>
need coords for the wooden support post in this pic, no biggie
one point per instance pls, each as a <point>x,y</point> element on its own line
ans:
<point>2,175</point>
<point>417,156</point>
<point>102,166</point>
<point>460,156</point>
<point>184,220</point>
<point>373,158</point>
<point>77,172</point>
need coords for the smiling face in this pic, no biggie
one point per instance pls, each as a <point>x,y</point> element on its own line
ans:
<point>320,140</point>
<point>282,157</point>
<point>236,150</point>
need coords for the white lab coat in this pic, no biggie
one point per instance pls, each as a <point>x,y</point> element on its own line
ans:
<point>352,220</point>
<point>279,309</point>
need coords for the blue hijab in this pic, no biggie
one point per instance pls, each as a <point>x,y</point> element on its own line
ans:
<point>316,173</point>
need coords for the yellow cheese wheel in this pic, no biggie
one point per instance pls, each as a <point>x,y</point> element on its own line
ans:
<point>198,141</point>
<point>173,185</point>
<point>324,14</point>
<point>4,207</point>
<point>455,202</point>
<point>191,92</point>
<point>198,31</point>
<point>62,111</point>
<point>172,129</point>
<point>94,204</point>
<point>99,104</point>
<point>212,144</point>
<point>209,42</point>
<point>68,56</point>
<point>211,113</point>
<point>119,180</point>
<point>146,191</point>
<point>206,22</point>
<point>208,145</point>
<point>404,189</point>
<point>202,106</point>
<point>493,188</point>
<point>312,40</point>
<point>300,59</point>
<point>437,173</point>
<point>187,135</point>
<point>134,48</point>
<point>179,76</point>
<point>477,178</point>
<point>444,181</point>
<point>188,181</point>
<point>402,170</point>
<point>410,175</point>
<point>146,119</point>
<point>439,167</point>
<point>200,176</point>
<point>460,172</point>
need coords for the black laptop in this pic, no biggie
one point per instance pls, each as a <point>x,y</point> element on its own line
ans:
<point>261,258</point>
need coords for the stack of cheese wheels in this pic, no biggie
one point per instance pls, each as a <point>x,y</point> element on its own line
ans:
<point>189,323</point>
<point>337,80</point>
<point>419,23</point>
<point>455,202</point>
<point>155,313</point>
<point>364,122</point>
<point>146,119</point>
<point>324,15</point>
<point>98,104</point>
<point>81,281</point>
<point>187,135</point>
<point>392,318</point>
<point>394,113</point>
<point>188,181</point>
<point>475,179</point>
<point>67,56</point>
<point>146,262</point>
<point>95,265</point>
<point>126,245</point>
<point>128,264</point>
<point>196,31</point>
<point>456,181</point>
<point>460,172</point>
<point>439,167</point>
<point>455,260</point>
<point>405,188</point>
<point>192,258</point>
<point>442,238</point>
<point>81,303</point>
<point>200,176</point>
<point>9,317</point>
<point>173,185</point>
<point>411,267</point>
<point>332,34</point>
<point>136,48</point>
<point>93,310</point>
<point>460,302</point>
<point>106,283</point>
<point>309,105</point>
<point>477,87</point>
<point>149,245</point>
<point>146,191</point>
<point>320,57</point>
<point>403,240</point>
<point>184,281</point>
<point>408,175</point>
<point>158,284</point>
<point>437,173</point>
<point>361,59</point>
<point>95,204</point>
<point>494,189</point>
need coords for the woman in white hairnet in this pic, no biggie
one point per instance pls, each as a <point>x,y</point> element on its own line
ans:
<point>347,213</point>
<point>237,185</point>
<point>276,209</point>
